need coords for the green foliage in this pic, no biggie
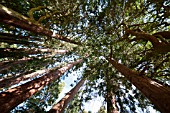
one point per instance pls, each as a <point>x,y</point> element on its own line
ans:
<point>99,25</point>
<point>102,110</point>
<point>75,105</point>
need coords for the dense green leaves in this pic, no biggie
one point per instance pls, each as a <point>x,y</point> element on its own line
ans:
<point>129,27</point>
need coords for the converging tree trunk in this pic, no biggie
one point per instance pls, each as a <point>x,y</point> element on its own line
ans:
<point>112,99</point>
<point>111,102</point>
<point>158,94</point>
<point>20,37</point>
<point>12,97</point>
<point>11,17</point>
<point>160,47</point>
<point>10,40</point>
<point>110,96</point>
<point>13,52</point>
<point>18,79</point>
<point>8,65</point>
<point>62,104</point>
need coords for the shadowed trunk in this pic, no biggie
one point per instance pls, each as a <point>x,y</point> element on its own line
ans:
<point>13,52</point>
<point>158,94</point>
<point>17,53</point>
<point>20,37</point>
<point>12,97</point>
<point>18,79</point>
<point>62,104</point>
<point>144,36</point>
<point>8,65</point>
<point>10,40</point>
<point>111,102</point>
<point>110,96</point>
<point>159,47</point>
<point>164,34</point>
<point>11,17</point>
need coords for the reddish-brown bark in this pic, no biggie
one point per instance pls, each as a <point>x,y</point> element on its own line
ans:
<point>62,104</point>
<point>12,97</point>
<point>164,34</point>
<point>111,103</point>
<point>158,94</point>
<point>11,40</point>
<point>113,100</point>
<point>13,52</point>
<point>11,17</point>
<point>20,37</point>
<point>110,96</point>
<point>17,53</point>
<point>159,47</point>
<point>8,65</point>
<point>18,79</point>
<point>145,36</point>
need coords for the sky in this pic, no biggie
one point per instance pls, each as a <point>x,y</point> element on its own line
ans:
<point>92,105</point>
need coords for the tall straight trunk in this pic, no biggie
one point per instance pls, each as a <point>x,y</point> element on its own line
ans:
<point>11,40</point>
<point>20,37</point>
<point>13,52</point>
<point>112,99</point>
<point>18,79</point>
<point>62,104</point>
<point>111,102</point>
<point>11,17</point>
<point>158,94</point>
<point>8,65</point>
<point>17,53</point>
<point>25,74</point>
<point>12,97</point>
<point>110,96</point>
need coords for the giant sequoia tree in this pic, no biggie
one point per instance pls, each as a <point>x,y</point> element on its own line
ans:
<point>122,46</point>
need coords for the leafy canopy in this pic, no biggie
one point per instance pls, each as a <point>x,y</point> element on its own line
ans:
<point>125,26</point>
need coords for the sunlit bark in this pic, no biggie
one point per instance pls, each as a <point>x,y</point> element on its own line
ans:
<point>110,96</point>
<point>111,103</point>
<point>62,104</point>
<point>12,97</point>
<point>18,79</point>
<point>158,94</point>
<point>11,17</point>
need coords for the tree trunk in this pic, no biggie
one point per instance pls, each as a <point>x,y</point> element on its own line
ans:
<point>160,47</point>
<point>62,104</point>
<point>11,40</point>
<point>11,17</point>
<point>17,53</point>
<point>110,96</point>
<point>20,37</point>
<point>12,81</point>
<point>145,36</point>
<point>111,103</point>
<point>8,65</point>
<point>158,94</point>
<point>164,34</point>
<point>13,52</point>
<point>12,97</point>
